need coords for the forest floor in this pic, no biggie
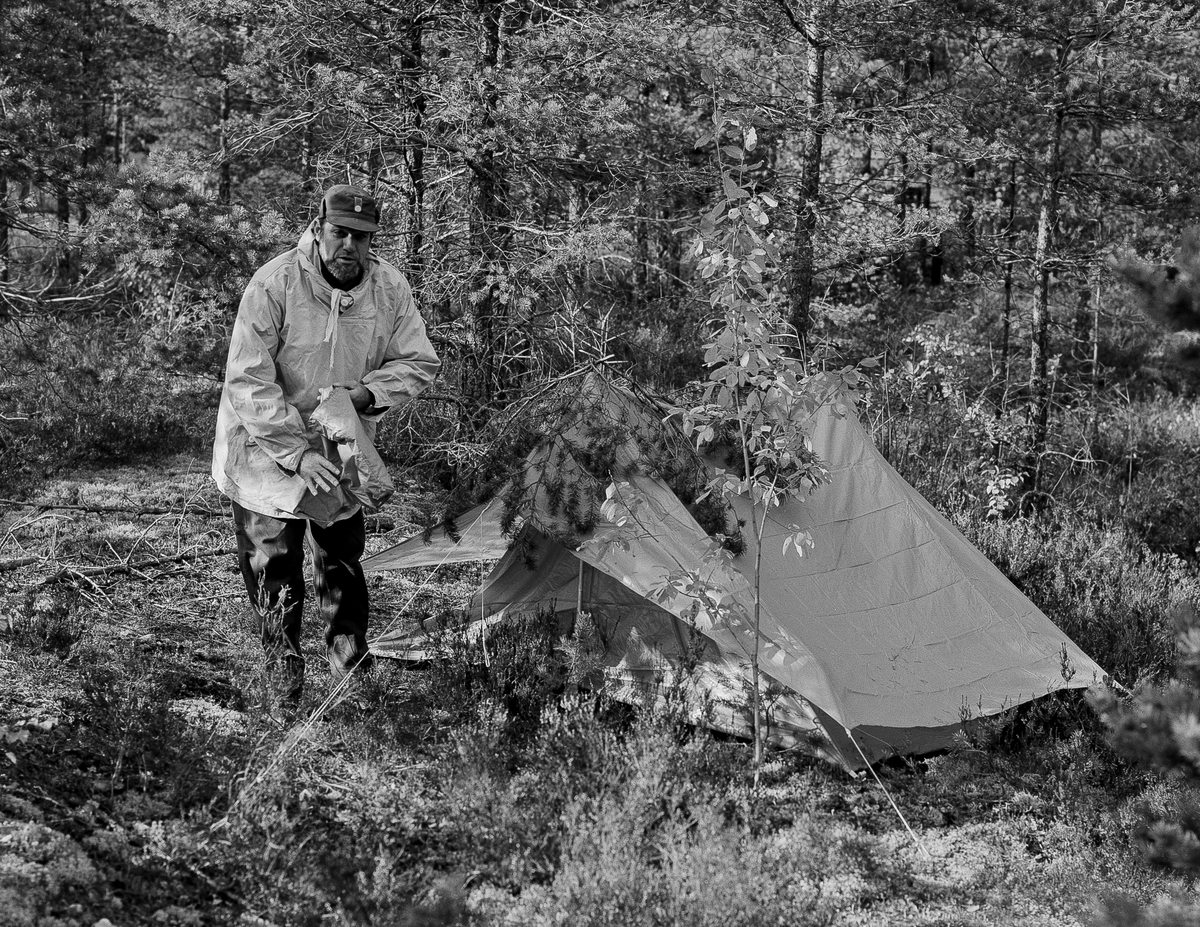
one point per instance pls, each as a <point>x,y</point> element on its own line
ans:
<point>144,778</point>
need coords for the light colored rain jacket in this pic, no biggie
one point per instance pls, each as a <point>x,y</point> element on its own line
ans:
<point>294,335</point>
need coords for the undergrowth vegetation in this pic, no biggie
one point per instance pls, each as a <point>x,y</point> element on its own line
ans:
<point>148,783</point>
<point>144,780</point>
<point>74,392</point>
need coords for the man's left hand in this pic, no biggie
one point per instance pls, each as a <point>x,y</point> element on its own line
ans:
<point>360,396</point>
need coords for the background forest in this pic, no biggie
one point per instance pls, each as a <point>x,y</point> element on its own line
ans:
<point>946,185</point>
<point>948,181</point>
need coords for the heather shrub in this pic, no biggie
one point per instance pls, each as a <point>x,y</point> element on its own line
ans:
<point>653,846</point>
<point>143,733</point>
<point>1147,456</point>
<point>47,620</point>
<point>516,665</point>
<point>77,391</point>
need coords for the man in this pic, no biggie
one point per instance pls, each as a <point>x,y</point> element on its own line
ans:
<point>328,313</point>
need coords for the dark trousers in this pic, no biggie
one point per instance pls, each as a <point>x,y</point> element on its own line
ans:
<point>271,557</point>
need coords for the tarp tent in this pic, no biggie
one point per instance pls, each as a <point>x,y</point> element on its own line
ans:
<point>881,638</point>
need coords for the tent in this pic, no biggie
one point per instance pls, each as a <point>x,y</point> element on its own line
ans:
<point>878,641</point>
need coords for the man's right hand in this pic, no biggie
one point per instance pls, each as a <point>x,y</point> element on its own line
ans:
<point>317,472</point>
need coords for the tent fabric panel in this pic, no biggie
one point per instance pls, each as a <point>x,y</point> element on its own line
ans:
<point>905,636</point>
<point>551,584</point>
<point>880,633</point>
<point>878,742</point>
<point>670,540</point>
<point>479,538</point>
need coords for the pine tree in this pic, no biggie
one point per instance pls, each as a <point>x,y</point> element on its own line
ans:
<point>1051,94</point>
<point>1160,727</point>
<point>73,85</point>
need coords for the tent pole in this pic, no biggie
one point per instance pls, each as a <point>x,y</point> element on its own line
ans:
<point>487,657</point>
<point>578,598</point>
<point>900,814</point>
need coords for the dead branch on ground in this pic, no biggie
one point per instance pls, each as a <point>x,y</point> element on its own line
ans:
<point>188,509</point>
<point>68,573</point>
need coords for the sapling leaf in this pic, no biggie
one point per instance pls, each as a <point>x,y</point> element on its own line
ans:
<point>732,190</point>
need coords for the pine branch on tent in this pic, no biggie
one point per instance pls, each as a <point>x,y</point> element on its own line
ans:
<point>552,456</point>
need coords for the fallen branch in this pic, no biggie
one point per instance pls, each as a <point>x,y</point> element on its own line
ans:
<point>85,573</point>
<point>6,565</point>
<point>187,509</point>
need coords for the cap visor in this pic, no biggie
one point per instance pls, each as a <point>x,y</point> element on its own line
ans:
<point>351,221</point>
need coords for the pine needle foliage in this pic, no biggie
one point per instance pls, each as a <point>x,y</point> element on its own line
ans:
<point>1160,726</point>
<point>1160,729</point>
<point>551,457</point>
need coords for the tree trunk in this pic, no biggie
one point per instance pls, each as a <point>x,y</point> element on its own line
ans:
<point>118,132</point>
<point>308,144</point>
<point>491,235</point>
<point>903,274</point>
<point>4,246</point>
<point>415,164</point>
<point>66,272</point>
<point>1038,419</point>
<point>803,270</point>
<point>967,225</point>
<point>1009,262</point>
<point>225,183</point>
<point>641,250</point>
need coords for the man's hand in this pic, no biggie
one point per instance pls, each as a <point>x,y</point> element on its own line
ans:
<point>360,396</point>
<point>317,472</point>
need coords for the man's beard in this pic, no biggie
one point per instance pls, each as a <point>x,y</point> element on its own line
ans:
<point>343,273</point>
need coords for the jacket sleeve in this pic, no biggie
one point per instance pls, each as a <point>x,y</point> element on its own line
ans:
<point>252,383</point>
<point>409,363</point>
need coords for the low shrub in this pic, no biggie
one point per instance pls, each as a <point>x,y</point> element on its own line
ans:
<point>649,842</point>
<point>516,663</point>
<point>42,871</point>
<point>46,620</point>
<point>74,392</point>
<point>1106,591</point>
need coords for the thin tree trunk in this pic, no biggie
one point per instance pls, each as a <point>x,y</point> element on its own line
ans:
<point>118,130</point>
<point>415,164</point>
<point>66,274</point>
<point>931,254</point>
<point>225,184</point>
<point>308,144</point>
<point>641,249</point>
<point>967,225</point>
<point>803,270</point>
<point>1009,262</point>
<point>1038,420</point>
<point>903,275</point>
<point>4,246</point>
<point>491,233</point>
<point>225,161</point>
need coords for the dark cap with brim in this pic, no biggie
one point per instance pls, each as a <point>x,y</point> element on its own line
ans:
<point>351,208</point>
